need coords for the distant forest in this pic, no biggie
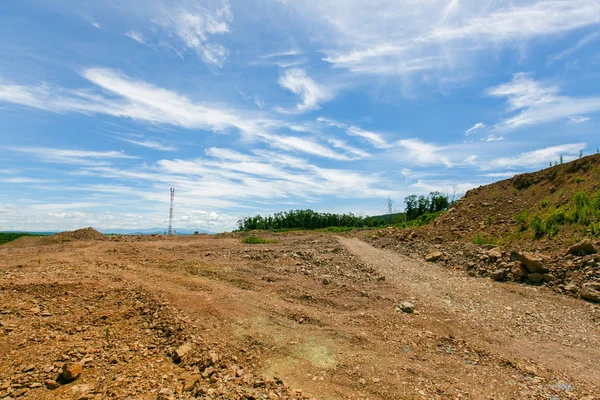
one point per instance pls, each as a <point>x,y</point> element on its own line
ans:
<point>419,210</point>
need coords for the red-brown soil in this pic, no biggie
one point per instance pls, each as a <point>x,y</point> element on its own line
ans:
<point>488,213</point>
<point>313,316</point>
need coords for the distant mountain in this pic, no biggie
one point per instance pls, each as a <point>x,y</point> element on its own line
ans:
<point>153,231</point>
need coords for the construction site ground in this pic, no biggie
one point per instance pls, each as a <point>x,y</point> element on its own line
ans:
<point>315,315</point>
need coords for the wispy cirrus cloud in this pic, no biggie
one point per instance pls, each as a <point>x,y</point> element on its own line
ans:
<point>245,177</point>
<point>476,127</point>
<point>539,103</point>
<point>422,153</point>
<point>310,92</point>
<point>194,24</point>
<point>137,36</point>
<point>149,144</point>
<point>141,101</point>
<point>71,157</point>
<point>392,38</point>
<point>578,119</point>
<point>587,39</point>
<point>374,138</point>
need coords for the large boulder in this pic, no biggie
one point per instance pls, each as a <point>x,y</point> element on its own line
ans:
<point>582,248</point>
<point>534,263</point>
<point>591,291</point>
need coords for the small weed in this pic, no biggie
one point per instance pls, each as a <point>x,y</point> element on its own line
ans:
<point>545,203</point>
<point>488,220</point>
<point>578,180</point>
<point>257,240</point>
<point>481,239</point>
<point>560,193</point>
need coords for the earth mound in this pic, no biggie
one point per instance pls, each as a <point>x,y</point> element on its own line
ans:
<point>88,233</point>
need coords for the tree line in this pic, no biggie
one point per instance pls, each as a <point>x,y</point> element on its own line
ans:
<point>418,208</point>
<point>306,219</point>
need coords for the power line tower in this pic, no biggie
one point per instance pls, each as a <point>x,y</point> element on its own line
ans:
<point>170,232</point>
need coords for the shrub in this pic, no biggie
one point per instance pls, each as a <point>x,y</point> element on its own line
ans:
<point>257,240</point>
<point>537,224</point>
<point>521,219</point>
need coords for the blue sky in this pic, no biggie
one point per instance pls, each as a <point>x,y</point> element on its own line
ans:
<point>258,107</point>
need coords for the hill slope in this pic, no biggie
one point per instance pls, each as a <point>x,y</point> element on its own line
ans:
<point>544,212</point>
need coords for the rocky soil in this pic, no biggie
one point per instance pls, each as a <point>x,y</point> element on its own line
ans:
<point>568,262</point>
<point>313,316</point>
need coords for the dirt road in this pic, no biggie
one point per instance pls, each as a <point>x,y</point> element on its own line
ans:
<point>313,316</point>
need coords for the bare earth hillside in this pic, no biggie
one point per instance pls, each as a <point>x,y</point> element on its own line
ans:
<point>550,218</point>
<point>312,316</point>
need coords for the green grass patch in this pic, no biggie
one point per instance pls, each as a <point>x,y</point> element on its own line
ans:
<point>582,212</point>
<point>481,239</point>
<point>6,237</point>
<point>257,240</point>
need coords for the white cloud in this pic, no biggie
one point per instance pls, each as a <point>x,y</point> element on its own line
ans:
<point>537,158</point>
<point>137,36</point>
<point>71,157</point>
<point>194,23</point>
<point>493,138</point>
<point>141,101</point>
<point>471,160</point>
<point>238,177</point>
<point>286,53</point>
<point>404,37</point>
<point>24,180</point>
<point>312,94</point>
<point>149,144</point>
<point>374,138</point>
<point>581,43</point>
<point>477,126</point>
<point>578,119</point>
<point>423,153</point>
<point>539,103</point>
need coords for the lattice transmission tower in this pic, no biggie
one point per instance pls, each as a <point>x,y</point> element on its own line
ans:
<point>170,232</point>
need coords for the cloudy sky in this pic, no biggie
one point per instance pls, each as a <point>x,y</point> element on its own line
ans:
<point>261,106</point>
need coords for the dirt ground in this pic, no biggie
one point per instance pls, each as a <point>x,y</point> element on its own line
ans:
<point>313,316</point>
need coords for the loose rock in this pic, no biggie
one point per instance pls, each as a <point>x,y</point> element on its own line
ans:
<point>433,256</point>
<point>582,248</point>
<point>591,291</point>
<point>533,262</point>
<point>406,307</point>
<point>71,371</point>
<point>182,352</point>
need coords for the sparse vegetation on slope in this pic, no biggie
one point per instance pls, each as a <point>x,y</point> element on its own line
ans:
<point>6,237</point>
<point>552,214</point>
